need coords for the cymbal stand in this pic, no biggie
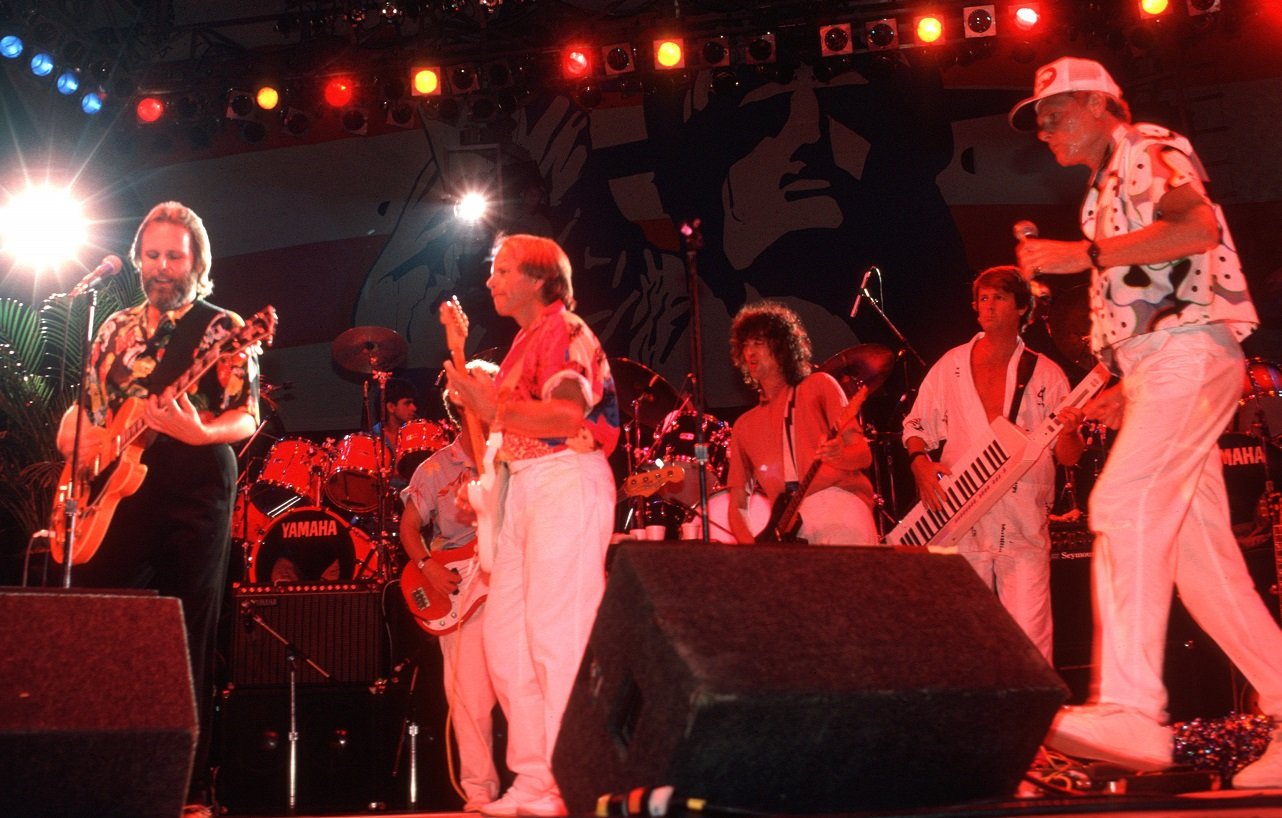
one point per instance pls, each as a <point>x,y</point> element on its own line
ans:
<point>385,455</point>
<point>636,455</point>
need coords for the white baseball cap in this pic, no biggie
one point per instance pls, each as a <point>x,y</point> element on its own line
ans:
<point>1064,75</point>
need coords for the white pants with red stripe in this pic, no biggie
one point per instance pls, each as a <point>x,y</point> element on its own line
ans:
<point>1161,519</point>
<point>546,584</point>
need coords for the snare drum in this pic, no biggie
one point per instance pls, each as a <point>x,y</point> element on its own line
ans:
<point>311,545</point>
<point>674,446</point>
<point>719,515</point>
<point>291,475</point>
<point>353,480</point>
<point>420,439</point>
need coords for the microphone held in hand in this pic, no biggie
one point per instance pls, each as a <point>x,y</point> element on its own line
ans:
<point>110,266</point>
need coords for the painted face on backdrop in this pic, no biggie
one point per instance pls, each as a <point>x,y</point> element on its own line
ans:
<point>792,179</point>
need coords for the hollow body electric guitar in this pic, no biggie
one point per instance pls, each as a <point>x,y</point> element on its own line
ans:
<point>785,515</point>
<point>437,613</point>
<point>115,471</point>
<point>482,493</point>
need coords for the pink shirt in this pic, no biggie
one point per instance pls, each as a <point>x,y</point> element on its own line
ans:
<point>560,347</point>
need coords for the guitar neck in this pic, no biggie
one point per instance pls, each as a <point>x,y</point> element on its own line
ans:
<point>475,436</point>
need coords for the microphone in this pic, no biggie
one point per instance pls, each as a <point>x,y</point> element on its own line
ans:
<point>863,286</point>
<point>110,266</point>
<point>1024,229</point>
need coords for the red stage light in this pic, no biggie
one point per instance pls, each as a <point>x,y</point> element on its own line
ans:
<point>1027,16</point>
<point>576,63</point>
<point>149,109</point>
<point>425,81</point>
<point>669,53</point>
<point>930,29</point>
<point>339,92</point>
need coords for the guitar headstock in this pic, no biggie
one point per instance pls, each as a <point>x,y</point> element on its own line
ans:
<point>455,322</point>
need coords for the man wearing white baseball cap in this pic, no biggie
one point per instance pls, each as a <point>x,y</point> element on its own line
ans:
<point>1169,306</point>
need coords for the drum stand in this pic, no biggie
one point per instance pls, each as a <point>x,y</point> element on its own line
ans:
<point>292,654</point>
<point>386,462</point>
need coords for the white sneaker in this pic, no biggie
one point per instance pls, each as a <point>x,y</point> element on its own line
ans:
<point>1265,773</point>
<point>512,805</point>
<point>1116,734</point>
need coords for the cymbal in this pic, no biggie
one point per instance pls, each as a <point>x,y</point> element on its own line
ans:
<point>369,349</point>
<point>643,393</point>
<point>1069,323</point>
<point>862,363</point>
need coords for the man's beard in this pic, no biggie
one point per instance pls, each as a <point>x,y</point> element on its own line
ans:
<point>171,297</point>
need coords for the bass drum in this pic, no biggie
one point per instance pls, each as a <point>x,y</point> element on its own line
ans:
<point>311,544</point>
<point>719,515</point>
<point>1261,401</point>
<point>1247,463</point>
<point>675,446</point>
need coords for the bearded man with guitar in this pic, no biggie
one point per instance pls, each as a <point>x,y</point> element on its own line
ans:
<point>173,533</point>
<point>554,417</point>
<point>995,375</point>
<point>443,567</point>
<point>803,419</point>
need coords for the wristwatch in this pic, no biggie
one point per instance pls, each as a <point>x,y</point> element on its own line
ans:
<point>1093,252</point>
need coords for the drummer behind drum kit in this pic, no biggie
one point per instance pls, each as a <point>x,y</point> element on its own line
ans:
<point>281,518</point>
<point>662,486</point>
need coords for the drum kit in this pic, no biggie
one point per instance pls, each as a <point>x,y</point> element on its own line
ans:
<point>324,511</point>
<point>662,439</point>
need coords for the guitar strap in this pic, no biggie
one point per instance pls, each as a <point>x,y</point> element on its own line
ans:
<point>1027,363</point>
<point>180,351</point>
<point>791,473</point>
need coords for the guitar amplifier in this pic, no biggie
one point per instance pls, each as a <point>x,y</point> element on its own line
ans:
<point>339,627</point>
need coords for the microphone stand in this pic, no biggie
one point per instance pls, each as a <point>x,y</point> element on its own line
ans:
<point>71,509</point>
<point>882,471</point>
<point>694,243</point>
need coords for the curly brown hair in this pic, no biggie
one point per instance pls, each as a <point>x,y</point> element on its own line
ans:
<point>782,331</point>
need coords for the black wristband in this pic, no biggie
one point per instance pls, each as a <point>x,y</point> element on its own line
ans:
<point>1093,252</point>
<point>916,455</point>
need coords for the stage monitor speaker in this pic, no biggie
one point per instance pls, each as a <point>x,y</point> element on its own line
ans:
<point>802,679</point>
<point>97,715</point>
<point>339,627</point>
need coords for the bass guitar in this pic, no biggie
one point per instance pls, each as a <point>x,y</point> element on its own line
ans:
<point>437,613</point>
<point>115,470</point>
<point>482,493</point>
<point>785,514</point>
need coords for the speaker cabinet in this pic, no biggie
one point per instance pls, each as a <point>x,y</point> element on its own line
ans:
<point>97,714</point>
<point>339,627</point>
<point>802,679</point>
<point>347,740</point>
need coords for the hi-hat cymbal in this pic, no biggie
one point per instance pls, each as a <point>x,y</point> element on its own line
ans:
<point>369,349</point>
<point>1069,323</point>
<point>862,363</point>
<point>643,393</point>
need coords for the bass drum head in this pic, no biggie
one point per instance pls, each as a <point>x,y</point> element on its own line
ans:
<point>311,544</point>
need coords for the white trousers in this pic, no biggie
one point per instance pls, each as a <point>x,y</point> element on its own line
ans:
<point>471,697</point>
<point>1160,516</point>
<point>1021,578</point>
<point>546,584</point>
<point>834,516</point>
